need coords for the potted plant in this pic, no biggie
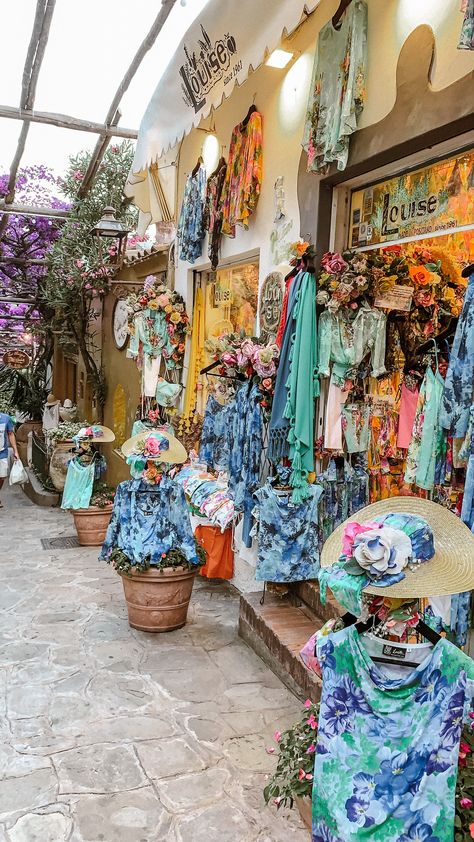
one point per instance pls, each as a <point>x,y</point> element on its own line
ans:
<point>157,596</point>
<point>60,442</point>
<point>91,523</point>
<point>292,782</point>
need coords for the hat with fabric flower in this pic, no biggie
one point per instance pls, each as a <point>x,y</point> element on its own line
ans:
<point>155,445</point>
<point>96,433</point>
<point>402,548</point>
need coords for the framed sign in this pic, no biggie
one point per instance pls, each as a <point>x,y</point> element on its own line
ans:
<point>271,302</point>
<point>16,359</point>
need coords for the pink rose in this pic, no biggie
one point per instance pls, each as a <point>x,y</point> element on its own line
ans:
<point>351,532</point>
<point>229,358</point>
<point>334,263</point>
<point>152,446</point>
<point>267,383</point>
<point>163,300</point>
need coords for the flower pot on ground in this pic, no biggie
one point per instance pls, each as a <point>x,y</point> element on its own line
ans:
<point>21,436</point>
<point>91,524</point>
<point>58,463</point>
<point>158,596</point>
<point>304,805</point>
<point>158,600</point>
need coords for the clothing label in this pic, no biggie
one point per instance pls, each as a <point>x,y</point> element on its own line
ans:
<point>398,298</point>
<point>394,651</point>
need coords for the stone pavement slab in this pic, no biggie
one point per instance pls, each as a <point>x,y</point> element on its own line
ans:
<point>108,734</point>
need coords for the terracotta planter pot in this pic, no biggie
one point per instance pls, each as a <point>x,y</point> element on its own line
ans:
<point>91,524</point>
<point>158,601</point>
<point>305,810</point>
<point>58,463</point>
<point>26,427</point>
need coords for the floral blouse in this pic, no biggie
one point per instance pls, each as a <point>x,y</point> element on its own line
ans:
<point>244,175</point>
<point>387,749</point>
<point>149,520</point>
<point>213,212</point>
<point>245,451</point>
<point>345,341</point>
<point>457,398</point>
<point>191,219</point>
<point>337,92</point>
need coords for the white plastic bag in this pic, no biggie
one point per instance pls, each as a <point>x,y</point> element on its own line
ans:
<point>18,473</point>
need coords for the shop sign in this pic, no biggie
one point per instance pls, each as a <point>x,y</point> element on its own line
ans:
<point>271,301</point>
<point>16,359</point>
<point>432,199</point>
<point>397,298</point>
<point>206,64</point>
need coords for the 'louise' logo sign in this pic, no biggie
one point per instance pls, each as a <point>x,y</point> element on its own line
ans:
<point>206,67</point>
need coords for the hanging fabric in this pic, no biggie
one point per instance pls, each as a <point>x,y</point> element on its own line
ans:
<point>191,220</point>
<point>195,361</point>
<point>79,485</point>
<point>244,174</point>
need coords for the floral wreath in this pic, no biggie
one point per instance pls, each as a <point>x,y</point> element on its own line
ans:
<point>169,332</point>
<point>249,356</point>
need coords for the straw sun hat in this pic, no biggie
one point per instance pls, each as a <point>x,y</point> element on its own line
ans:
<point>98,434</point>
<point>175,454</point>
<point>450,571</point>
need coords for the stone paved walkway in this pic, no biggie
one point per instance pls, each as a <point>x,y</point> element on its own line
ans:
<point>111,734</point>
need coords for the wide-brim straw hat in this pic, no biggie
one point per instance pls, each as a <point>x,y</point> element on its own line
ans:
<point>175,455</point>
<point>107,435</point>
<point>450,571</point>
<point>51,400</point>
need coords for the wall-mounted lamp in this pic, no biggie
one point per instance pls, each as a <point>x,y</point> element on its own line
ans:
<point>279,58</point>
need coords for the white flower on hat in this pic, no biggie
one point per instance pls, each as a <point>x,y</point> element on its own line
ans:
<point>383,551</point>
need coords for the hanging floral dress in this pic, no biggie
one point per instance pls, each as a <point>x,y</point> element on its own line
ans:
<point>191,219</point>
<point>244,175</point>
<point>387,748</point>
<point>337,90</point>
<point>466,40</point>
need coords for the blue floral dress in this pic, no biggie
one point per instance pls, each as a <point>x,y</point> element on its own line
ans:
<point>214,446</point>
<point>149,520</point>
<point>191,225</point>
<point>387,749</point>
<point>288,537</point>
<point>245,452</point>
<point>457,398</point>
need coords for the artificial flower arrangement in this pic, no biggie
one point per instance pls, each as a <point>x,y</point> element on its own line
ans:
<point>438,288</point>
<point>174,559</point>
<point>103,495</point>
<point>300,250</point>
<point>293,777</point>
<point>249,356</point>
<point>65,431</point>
<point>168,333</point>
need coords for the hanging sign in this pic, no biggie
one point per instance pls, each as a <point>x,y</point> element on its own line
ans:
<point>397,298</point>
<point>271,301</point>
<point>16,359</point>
<point>432,199</point>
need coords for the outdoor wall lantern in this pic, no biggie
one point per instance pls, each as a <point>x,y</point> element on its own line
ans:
<point>112,230</point>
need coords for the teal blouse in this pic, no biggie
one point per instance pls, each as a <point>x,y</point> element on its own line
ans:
<point>345,341</point>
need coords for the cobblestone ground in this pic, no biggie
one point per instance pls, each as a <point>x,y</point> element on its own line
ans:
<point>112,734</point>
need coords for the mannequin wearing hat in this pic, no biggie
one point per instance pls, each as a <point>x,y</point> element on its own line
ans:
<point>68,411</point>
<point>51,413</point>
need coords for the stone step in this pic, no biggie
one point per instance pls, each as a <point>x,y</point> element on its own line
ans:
<point>276,631</point>
<point>305,595</point>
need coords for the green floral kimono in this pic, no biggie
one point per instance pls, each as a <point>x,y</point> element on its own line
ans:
<point>337,91</point>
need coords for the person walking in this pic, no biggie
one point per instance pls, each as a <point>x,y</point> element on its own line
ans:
<point>7,436</point>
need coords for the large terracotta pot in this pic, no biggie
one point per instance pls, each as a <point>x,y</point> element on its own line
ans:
<point>26,427</point>
<point>91,524</point>
<point>58,464</point>
<point>157,601</point>
<point>305,809</point>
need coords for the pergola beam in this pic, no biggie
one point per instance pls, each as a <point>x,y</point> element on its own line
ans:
<point>22,261</point>
<point>103,140</point>
<point>64,121</point>
<point>12,299</point>
<point>31,210</point>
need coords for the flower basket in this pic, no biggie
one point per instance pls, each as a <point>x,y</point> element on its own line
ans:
<point>158,600</point>
<point>91,524</point>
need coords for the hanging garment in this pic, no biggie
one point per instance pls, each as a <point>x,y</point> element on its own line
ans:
<point>303,387</point>
<point>421,457</point>
<point>245,451</point>
<point>195,362</point>
<point>346,490</point>
<point>288,535</point>
<point>284,311</point>
<point>333,419</point>
<point>151,373</point>
<point>149,520</point>
<point>213,211</point>
<point>244,175</point>
<point>406,418</point>
<point>279,426</point>
<point>466,39</point>
<point>150,337</point>
<point>50,417</point>
<point>345,340</point>
<point>214,448</point>
<point>458,392</point>
<point>388,746</point>
<point>79,485</point>
<point>355,424</point>
<point>220,555</point>
<point>190,231</point>
<point>337,90</point>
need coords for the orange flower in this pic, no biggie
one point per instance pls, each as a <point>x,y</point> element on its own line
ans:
<point>420,275</point>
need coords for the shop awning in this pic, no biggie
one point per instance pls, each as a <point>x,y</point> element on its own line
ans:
<point>228,40</point>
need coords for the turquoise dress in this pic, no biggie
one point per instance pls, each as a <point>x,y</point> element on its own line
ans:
<point>79,484</point>
<point>387,748</point>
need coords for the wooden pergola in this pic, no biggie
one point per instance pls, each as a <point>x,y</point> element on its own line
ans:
<point>27,115</point>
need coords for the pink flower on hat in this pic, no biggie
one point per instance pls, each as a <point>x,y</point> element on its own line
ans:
<point>351,532</point>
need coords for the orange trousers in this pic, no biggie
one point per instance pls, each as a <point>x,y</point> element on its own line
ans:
<point>220,555</point>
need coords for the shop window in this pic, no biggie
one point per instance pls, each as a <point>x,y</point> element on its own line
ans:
<point>120,415</point>
<point>231,299</point>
